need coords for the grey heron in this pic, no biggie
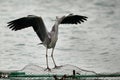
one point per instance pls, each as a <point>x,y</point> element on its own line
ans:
<point>47,38</point>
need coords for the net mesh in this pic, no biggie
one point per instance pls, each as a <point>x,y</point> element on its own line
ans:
<point>66,72</point>
<point>65,69</point>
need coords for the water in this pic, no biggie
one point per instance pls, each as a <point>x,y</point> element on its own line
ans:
<point>93,45</point>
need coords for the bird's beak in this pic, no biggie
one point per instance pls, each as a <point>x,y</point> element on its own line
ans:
<point>57,17</point>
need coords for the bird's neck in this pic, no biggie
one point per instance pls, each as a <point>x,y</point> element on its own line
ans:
<point>55,31</point>
<point>55,27</point>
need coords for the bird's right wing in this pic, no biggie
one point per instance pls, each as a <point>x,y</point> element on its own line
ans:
<point>20,23</point>
<point>31,20</point>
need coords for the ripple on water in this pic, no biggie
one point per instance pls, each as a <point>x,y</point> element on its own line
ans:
<point>104,53</point>
<point>21,44</point>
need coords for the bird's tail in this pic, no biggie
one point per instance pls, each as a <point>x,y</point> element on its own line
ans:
<point>39,43</point>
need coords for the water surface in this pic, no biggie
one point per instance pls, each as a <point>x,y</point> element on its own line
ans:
<point>93,45</point>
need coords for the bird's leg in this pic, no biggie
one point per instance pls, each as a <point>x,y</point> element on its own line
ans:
<point>53,57</point>
<point>54,60</point>
<point>47,60</point>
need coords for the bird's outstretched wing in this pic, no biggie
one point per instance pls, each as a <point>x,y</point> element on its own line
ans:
<point>31,20</point>
<point>74,19</point>
<point>19,23</point>
<point>23,22</point>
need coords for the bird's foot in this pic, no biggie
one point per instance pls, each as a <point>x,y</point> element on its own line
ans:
<point>57,67</point>
<point>47,69</point>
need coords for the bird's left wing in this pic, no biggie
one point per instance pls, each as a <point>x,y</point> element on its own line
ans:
<point>74,19</point>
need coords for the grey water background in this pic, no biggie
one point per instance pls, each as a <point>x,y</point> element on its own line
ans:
<point>93,45</point>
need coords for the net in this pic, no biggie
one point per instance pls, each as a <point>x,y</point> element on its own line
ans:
<point>64,69</point>
<point>66,72</point>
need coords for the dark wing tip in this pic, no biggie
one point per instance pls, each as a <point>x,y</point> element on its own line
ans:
<point>74,19</point>
<point>11,25</point>
<point>78,19</point>
<point>18,24</point>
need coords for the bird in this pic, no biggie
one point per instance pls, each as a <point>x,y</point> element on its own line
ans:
<point>48,38</point>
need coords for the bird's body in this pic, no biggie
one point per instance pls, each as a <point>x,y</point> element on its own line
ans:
<point>48,39</point>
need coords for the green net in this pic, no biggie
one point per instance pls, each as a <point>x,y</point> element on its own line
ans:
<point>66,72</point>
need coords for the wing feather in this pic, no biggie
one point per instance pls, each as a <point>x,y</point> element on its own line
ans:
<point>31,20</point>
<point>74,19</point>
<point>20,23</point>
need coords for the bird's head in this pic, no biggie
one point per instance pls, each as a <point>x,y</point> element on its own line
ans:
<point>59,18</point>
